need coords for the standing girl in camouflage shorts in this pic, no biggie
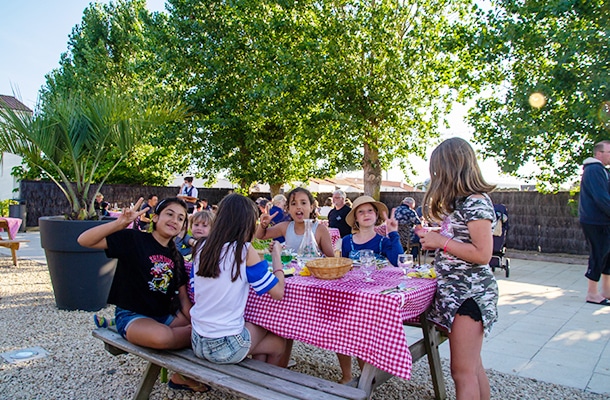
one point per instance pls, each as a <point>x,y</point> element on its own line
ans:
<point>467,295</point>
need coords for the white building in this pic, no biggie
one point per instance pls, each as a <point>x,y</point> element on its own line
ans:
<point>9,185</point>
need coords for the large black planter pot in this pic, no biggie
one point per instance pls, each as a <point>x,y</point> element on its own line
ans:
<point>81,277</point>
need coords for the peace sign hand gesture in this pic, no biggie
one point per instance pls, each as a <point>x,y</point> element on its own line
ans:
<point>266,219</point>
<point>390,223</point>
<point>131,214</point>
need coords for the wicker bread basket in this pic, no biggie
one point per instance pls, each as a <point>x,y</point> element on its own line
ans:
<point>329,268</point>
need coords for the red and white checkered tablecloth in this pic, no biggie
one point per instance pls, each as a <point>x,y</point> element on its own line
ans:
<point>348,315</point>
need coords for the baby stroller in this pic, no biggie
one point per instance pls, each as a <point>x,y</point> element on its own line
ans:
<point>498,260</point>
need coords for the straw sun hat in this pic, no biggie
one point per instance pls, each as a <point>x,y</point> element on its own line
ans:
<point>381,208</point>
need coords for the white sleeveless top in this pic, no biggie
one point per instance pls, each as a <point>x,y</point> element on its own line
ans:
<point>293,241</point>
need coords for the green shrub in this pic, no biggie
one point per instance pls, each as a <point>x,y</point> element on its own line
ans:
<point>4,206</point>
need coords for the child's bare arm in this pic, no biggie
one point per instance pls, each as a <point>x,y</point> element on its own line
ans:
<point>185,302</point>
<point>96,236</point>
<point>277,292</point>
<point>324,241</point>
<point>478,252</point>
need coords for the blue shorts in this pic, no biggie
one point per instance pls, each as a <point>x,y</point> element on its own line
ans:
<point>124,318</point>
<point>223,350</point>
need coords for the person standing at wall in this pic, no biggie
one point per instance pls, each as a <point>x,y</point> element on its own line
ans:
<point>594,216</point>
<point>336,216</point>
<point>188,193</point>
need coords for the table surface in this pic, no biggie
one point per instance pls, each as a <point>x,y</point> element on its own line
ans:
<point>13,225</point>
<point>348,315</point>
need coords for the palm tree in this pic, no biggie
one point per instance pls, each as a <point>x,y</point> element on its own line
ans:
<point>70,137</point>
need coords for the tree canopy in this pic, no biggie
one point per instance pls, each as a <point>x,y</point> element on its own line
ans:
<point>115,47</point>
<point>291,90</point>
<point>549,102</point>
<point>282,91</point>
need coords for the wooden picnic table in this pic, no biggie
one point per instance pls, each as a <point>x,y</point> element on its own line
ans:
<point>353,317</point>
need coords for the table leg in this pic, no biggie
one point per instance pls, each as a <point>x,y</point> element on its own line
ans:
<point>14,254</point>
<point>371,378</point>
<point>433,339</point>
<point>147,382</point>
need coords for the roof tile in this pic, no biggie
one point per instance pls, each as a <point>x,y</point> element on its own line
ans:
<point>12,103</point>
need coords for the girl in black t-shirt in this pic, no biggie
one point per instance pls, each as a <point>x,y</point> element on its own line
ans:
<point>149,279</point>
<point>149,286</point>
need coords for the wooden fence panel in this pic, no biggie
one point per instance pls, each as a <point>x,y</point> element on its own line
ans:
<point>538,222</point>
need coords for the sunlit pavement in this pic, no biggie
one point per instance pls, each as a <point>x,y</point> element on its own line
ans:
<point>545,329</point>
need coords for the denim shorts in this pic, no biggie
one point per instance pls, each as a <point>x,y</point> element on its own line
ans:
<point>223,350</point>
<point>124,318</point>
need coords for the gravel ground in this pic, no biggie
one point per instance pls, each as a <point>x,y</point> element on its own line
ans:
<point>78,367</point>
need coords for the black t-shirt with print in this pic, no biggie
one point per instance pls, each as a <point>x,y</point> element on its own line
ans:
<point>145,281</point>
<point>336,219</point>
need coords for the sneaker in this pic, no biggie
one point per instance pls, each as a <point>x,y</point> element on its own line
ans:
<point>102,322</point>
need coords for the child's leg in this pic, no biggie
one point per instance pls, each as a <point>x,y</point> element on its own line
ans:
<point>150,333</point>
<point>266,346</point>
<point>345,363</point>
<point>285,359</point>
<point>465,343</point>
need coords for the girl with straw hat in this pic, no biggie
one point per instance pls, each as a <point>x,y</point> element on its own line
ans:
<point>364,216</point>
<point>366,213</point>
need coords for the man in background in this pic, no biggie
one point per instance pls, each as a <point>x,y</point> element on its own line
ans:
<point>407,219</point>
<point>594,215</point>
<point>336,216</point>
<point>189,193</point>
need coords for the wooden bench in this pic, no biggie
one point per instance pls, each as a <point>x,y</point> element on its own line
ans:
<point>11,243</point>
<point>249,379</point>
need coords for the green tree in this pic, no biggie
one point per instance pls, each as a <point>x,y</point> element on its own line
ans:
<point>550,100</point>
<point>245,65</point>
<point>393,70</point>
<point>115,47</point>
<point>68,139</point>
<point>291,90</point>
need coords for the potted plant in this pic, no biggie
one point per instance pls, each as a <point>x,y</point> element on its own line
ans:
<point>68,138</point>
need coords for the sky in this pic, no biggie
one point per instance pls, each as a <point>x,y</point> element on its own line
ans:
<point>34,34</point>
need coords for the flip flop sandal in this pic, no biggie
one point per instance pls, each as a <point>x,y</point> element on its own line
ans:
<point>604,302</point>
<point>199,387</point>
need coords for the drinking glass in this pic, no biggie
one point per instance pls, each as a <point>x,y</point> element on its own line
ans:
<point>405,262</point>
<point>367,263</point>
<point>286,256</point>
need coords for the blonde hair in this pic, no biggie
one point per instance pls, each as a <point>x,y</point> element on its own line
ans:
<point>454,172</point>
<point>205,216</point>
<point>277,199</point>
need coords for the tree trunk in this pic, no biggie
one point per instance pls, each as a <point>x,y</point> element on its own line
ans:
<point>372,171</point>
<point>275,189</point>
